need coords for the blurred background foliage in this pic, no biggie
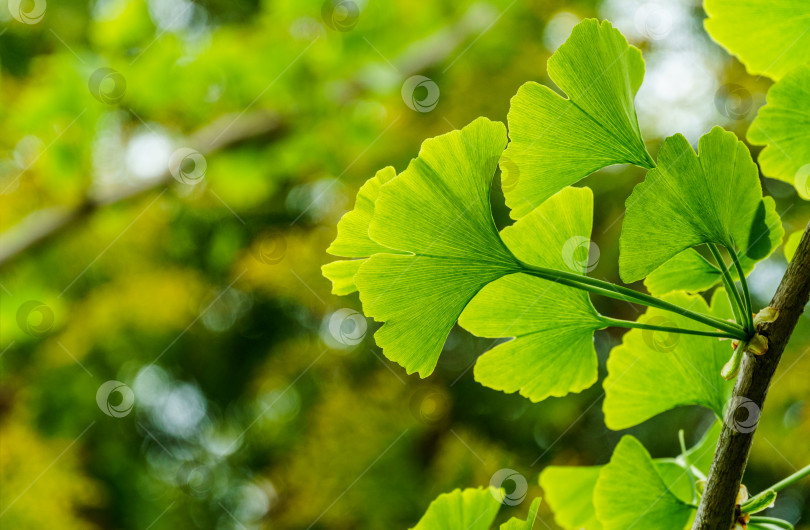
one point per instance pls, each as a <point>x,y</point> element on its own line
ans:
<point>254,405</point>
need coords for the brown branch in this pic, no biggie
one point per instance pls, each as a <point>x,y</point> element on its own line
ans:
<point>717,507</point>
<point>40,227</point>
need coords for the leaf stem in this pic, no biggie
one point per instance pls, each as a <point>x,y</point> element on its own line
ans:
<point>618,292</point>
<point>731,288</point>
<point>749,312</point>
<point>756,519</point>
<point>619,323</point>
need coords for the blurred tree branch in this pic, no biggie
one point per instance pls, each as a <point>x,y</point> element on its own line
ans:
<point>227,131</point>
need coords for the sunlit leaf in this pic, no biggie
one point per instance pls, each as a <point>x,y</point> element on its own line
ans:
<point>515,523</point>
<point>654,371</point>
<point>438,211</point>
<point>689,200</point>
<point>569,492</point>
<point>352,239</point>
<point>792,244</point>
<point>469,509</point>
<point>552,352</point>
<point>783,127</point>
<point>769,38</point>
<point>555,142</point>
<point>630,492</point>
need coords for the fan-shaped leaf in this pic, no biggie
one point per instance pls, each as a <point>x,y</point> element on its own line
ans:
<point>654,371</point>
<point>552,352</point>
<point>437,211</point>
<point>555,142</point>
<point>352,239</point>
<point>516,523</point>
<point>783,127</point>
<point>769,37</point>
<point>469,509</point>
<point>689,200</point>
<point>569,492</point>
<point>630,493</point>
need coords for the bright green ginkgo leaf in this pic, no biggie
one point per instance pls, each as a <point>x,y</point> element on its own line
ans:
<point>438,212</point>
<point>654,371</point>
<point>630,493</point>
<point>690,271</point>
<point>516,523</point>
<point>569,492</point>
<point>792,244</point>
<point>689,200</point>
<point>469,509</point>
<point>552,352</point>
<point>555,142</point>
<point>352,239</point>
<point>769,37</point>
<point>783,127</point>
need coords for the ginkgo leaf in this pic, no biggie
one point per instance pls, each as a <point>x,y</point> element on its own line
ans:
<point>352,239</point>
<point>552,352</point>
<point>555,142</point>
<point>630,493</point>
<point>654,371</point>
<point>569,492</point>
<point>515,523</point>
<point>792,244</point>
<point>438,212</point>
<point>783,127</point>
<point>689,200</point>
<point>469,509</point>
<point>690,271</point>
<point>769,38</point>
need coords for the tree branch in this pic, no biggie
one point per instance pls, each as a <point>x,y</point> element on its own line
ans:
<point>40,227</point>
<point>717,507</point>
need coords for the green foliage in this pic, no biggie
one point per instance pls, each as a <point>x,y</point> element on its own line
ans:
<point>552,352</point>
<point>631,492</point>
<point>654,371</point>
<point>352,240</point>
<point>471,509</point>
<point>555,142</point>
<point>689,200</point>
<point>438,211</point>
<point>783,127</point>
<point>770,38</point>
